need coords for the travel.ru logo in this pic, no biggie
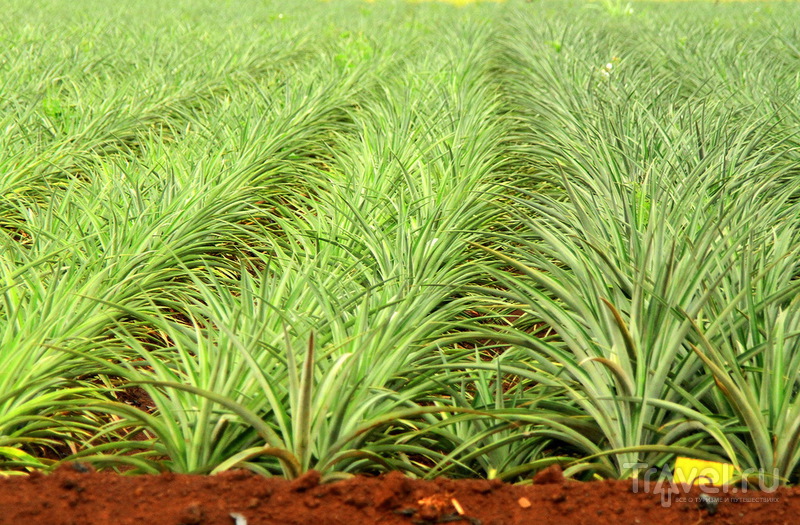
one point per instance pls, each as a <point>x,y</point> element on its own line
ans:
<point>673,486</point>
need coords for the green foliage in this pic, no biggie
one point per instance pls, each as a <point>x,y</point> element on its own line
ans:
<point>472,241</point>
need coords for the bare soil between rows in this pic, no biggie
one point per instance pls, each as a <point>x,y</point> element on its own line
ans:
<point>74,495</point>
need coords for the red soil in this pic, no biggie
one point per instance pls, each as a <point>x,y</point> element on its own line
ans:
<point>74,495</point>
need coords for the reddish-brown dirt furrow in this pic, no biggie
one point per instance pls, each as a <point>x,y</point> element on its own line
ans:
<point>74,496</point>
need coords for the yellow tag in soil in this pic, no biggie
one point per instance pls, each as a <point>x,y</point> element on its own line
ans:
<point>699,472</point>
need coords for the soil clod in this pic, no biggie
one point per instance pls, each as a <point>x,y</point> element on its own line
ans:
<point>551,475</point>
<point>307,481</point>
<point>193,514</point>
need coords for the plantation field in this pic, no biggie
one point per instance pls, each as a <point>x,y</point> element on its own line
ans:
<point>358,237</point>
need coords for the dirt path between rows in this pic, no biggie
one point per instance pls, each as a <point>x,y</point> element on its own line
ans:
<point>74,496</point>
